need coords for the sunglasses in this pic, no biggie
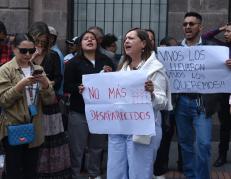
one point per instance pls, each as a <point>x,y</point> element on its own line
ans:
<point>25,50</point>
<point>185,24</point>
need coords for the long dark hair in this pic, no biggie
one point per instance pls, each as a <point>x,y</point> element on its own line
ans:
<point>147,51</point>
<point>3,28</point>
<point>154,38</point>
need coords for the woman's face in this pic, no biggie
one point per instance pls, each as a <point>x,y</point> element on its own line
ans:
<point>89,42</point>
<point>41,43</point>
<point>23,52</point>
<point>133,45</point>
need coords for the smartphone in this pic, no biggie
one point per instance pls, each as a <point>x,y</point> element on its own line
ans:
<point>37,72</point>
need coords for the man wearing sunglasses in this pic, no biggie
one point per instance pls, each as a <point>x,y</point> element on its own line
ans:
<point>193,116</point>
<point>73,48</point>
<point>224,112</point>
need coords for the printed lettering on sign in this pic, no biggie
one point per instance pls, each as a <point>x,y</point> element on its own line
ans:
<point>118,106</point>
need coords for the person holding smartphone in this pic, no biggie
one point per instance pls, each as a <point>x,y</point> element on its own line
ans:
<point>37,72</point>
<point>19,90</point>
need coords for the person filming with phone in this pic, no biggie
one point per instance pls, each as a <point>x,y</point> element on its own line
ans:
<point>23,89</point>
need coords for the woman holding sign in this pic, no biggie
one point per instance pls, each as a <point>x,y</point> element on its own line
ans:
<point>88,61</point>
<point>132,156</point>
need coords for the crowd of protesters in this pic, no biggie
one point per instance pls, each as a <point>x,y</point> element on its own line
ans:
<point>42,86</point>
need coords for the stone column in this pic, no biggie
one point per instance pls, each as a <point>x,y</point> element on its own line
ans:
<point>54,13</point>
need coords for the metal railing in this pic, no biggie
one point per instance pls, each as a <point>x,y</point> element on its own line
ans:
<point>118,16</point>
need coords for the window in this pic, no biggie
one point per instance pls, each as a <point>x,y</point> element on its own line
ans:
<point>118,16</point>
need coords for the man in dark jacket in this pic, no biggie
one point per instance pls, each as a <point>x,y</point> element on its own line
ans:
<point>223,113</point>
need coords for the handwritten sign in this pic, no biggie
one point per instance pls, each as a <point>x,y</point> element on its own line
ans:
<point>117,103</point>
<point>197,69</point>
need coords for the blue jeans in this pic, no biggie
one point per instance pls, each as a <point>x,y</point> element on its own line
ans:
<point>194,134</point>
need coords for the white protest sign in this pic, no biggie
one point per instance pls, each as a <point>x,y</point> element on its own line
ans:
<point>197,69</point>
<point>117,103</point>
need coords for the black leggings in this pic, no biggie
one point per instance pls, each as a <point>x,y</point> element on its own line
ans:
<point>225,124</point>
<point>20,161</point>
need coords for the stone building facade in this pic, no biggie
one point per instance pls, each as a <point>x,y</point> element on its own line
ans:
<point>19,14</point>
<point>214,12</point>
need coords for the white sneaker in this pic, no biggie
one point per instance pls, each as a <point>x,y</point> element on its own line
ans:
<point>160,177</point>
<point>98,177</point>
<point>2,158</point>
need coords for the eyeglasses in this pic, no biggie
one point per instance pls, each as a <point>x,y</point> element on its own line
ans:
<point>25,50</point>
<point>189,23</point>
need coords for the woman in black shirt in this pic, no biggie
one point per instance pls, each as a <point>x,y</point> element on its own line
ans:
<point>88,61</point>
